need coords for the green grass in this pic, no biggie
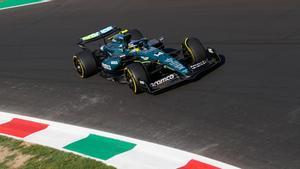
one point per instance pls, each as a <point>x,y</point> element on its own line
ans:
<point>12,3</point>
<point>44,157</point>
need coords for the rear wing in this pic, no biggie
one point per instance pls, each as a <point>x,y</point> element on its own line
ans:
<point>102,34</point>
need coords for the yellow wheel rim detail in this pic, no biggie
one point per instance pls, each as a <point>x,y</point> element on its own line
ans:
<point>80,65</point>
<point>133,80</point>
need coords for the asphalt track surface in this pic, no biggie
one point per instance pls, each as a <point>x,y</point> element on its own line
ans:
<point>246,113</point>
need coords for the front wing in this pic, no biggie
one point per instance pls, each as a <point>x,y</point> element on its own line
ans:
<point>198,69</point>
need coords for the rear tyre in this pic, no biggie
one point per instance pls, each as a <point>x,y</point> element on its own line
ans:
<point>85,64</point>
<point>135,34</point>
<point>137,77</point>
<point>193,50</point>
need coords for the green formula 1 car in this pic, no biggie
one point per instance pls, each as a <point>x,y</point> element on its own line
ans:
<point>126,56</point>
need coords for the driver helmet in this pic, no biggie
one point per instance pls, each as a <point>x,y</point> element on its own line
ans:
<point>122,39</point>
<point>118,38</point>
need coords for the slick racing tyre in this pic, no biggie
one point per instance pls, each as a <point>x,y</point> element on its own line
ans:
<point>85,64</point>
<point>193,50</point>
<point>137,77</point>
<point>135,34</point>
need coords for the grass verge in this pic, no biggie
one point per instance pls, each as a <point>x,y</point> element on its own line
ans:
<point>22,155</point>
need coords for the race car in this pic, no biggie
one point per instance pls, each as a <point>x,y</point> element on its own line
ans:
<point>146,65</point>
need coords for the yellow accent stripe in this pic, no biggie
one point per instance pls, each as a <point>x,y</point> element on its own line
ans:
<point>121,32</point>
<point>110,38</point>
<point>124,31</point>
<point>133,79</point>
<point>190,50</point>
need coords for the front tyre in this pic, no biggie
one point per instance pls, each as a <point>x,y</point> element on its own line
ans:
<point>85,64</point>
<point>137,77</point>
<point>193,50</point>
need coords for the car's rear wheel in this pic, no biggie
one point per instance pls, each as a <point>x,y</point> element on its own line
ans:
<point>137,77</point>
<point>135,34</point>
<point>193,50</point>
<point>85,64</point>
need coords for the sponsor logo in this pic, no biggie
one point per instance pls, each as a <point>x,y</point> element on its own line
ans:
<point>163,80</point>
<point>174,63</point>
<point>195,66</point>
<point>114,62</point>
<point>105,30</point>
<point>105,66</point>
<point>91,36</point>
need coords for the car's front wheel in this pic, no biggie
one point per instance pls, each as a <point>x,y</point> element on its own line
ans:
<point>193,50</point>
<point>137,78</point>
